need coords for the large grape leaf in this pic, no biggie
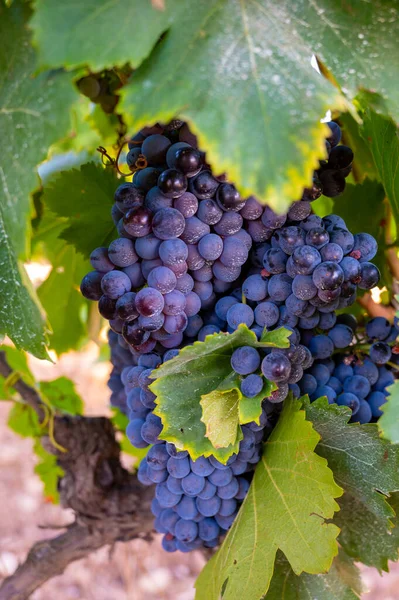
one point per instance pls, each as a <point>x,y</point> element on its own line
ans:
<point>291,496</point>
<point>367,467</point>
<point>388,423</point>
<point>238,71</point>
<point>85,197</point>
<point>341,582</point>
<point>96,33</point>
<point>197,371</point>
<point>34,113</point>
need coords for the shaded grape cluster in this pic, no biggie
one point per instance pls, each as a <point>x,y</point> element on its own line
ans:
<point>359,376</point>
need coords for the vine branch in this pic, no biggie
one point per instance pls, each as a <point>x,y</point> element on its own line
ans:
<point>108,501</point>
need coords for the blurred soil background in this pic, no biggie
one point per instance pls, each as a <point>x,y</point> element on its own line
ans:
<point>130,571</point>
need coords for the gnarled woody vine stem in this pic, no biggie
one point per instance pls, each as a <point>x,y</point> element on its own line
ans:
<point>110,504</point>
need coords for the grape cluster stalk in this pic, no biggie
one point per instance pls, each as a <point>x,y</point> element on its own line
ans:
<point>194,258</point>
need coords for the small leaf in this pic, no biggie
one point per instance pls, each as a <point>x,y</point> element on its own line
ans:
<point>341,582</point>
<point>367,467</point>
<point>23,420</point>
<point>180,384</point>
<point>220,416</point>
<point>85,196</point>
<point>250,409</point>
<point>49,472</point>
<point>388,423</point>
<point>225,408</point>
<point>278,338</point>
<point>291,496</point>
<point>61,395</point>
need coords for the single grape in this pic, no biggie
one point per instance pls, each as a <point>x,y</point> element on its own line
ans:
<point>172,183</point>
<point>255,288</point>
<point>340,157</point>
<point>229,198</point>
<point>211,247</point>
<point>245,360</point>
<point>137,221</point>
<point>168,223</point>
<point>369,276</point>
<point>350,400</point>
<point>252,385</point>
<point>380,353</point>
<point>92,289</point>
<point>366,246</point>
<point>114,284</point>
<point>276,367</point>
<point>240,313</point>
<point>203,185</point>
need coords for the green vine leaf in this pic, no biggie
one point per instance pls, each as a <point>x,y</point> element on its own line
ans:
<point>34,113</point>
<point>381,135</point>
<point>61,395</point>
<point>85,197</point>
<point>367,468</point>
<point>62,300</point>
<point>48,471</point>
<point>225,408</point>
<point>197,371</point>
<point>272,517</point>
<point>23,420</point>
<point>69,34</point>
<point>278,338</point>
<point>388,423</point>
<point>341,582</point>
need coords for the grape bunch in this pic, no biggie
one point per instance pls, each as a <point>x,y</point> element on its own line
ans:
<point>359,377</point>
<point>192,259</point>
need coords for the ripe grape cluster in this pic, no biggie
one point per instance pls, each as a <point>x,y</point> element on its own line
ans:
<point>193,258</point>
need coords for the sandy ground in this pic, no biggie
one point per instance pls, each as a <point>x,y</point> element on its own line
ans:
<point>131,571</point>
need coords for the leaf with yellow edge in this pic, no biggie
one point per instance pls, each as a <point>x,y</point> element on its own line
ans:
<point>180,383</point>
<point>291,497</point>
